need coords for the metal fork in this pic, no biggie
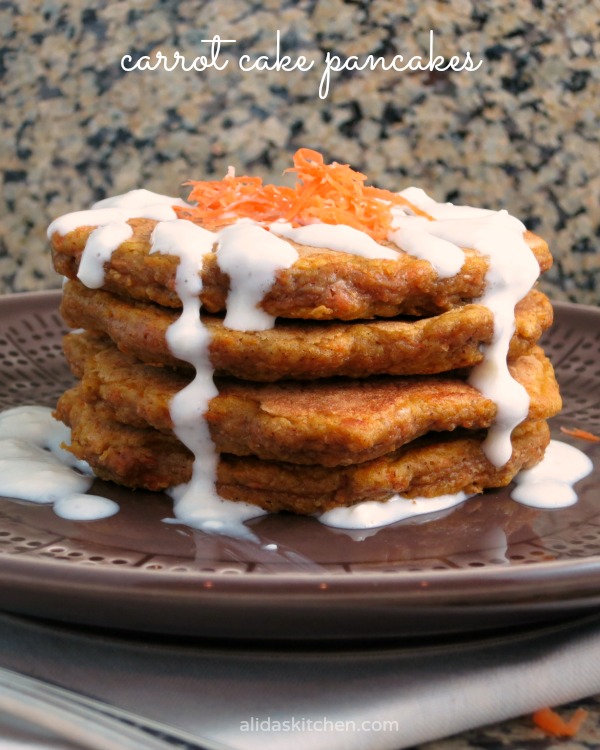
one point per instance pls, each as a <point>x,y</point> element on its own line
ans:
<point>87,723</point>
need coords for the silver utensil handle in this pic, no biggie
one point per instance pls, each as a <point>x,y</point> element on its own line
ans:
<point>90,724</point>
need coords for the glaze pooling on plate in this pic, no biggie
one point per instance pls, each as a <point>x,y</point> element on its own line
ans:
<point>34,466</point>
<point>83,507</point>
<point>550,484</point>
<point>371,515</point>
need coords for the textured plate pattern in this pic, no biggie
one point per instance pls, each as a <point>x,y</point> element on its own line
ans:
<point>32,368</point>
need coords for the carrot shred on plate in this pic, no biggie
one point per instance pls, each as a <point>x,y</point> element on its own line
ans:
<point>551,723</point>
<point>327,193</point>
<point>582,434</point>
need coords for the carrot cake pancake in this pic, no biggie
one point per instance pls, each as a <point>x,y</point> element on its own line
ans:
<point>303,350</point>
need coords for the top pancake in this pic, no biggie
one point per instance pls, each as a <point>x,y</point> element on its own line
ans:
<point>321,285</point>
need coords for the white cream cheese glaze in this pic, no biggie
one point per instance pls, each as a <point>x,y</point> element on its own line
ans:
<point>334,237</point>
<point>136,204</point>
<point>34,467</point>
<point>372,514</point>
<point>101,244</point>
<point>141,204</point>
<point>36,426</point>
<point>550,484</point>
<point>415,239</point>
<point>110,216</point>
<point>197,503</point>
<point>28,472</point>
<point>251,256</point>
<point>512,272</point>
<point>84,507</point>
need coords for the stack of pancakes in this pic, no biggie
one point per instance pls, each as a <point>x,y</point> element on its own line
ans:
<point>359,392</point>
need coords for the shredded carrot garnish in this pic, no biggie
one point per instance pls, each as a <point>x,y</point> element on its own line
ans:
<point>327,193</point>
<point>551,723</point>
<point>582,434</point>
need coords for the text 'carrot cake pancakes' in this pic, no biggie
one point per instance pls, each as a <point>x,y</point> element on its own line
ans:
<point>303,348</point>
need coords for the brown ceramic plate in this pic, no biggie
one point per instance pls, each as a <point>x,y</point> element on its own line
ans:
<point>490,563</point>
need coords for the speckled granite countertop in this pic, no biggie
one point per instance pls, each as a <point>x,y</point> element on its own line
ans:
<point>522,734</point>
<point>521,133</point>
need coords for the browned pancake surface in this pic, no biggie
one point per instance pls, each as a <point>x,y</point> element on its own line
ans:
<point>327,422</point>
<point>321,284</point>
<point>303,350</point>
<point>435,465</point>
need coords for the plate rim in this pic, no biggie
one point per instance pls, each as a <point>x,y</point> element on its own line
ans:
<point>548,581</point>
